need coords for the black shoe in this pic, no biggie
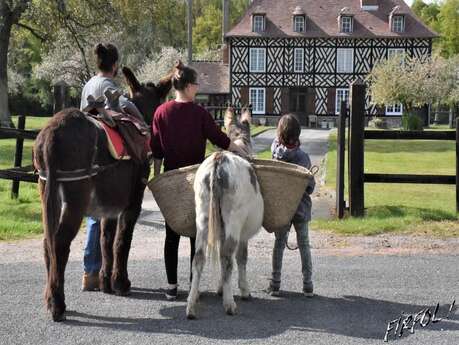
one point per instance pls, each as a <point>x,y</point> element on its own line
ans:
<point>171,294</point>
<point>273,291</point>
<point>308,292</point>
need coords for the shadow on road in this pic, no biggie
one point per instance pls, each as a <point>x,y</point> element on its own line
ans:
<point>262,318</point>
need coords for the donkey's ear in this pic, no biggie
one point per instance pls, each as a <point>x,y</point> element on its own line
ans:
<point>246,116</point>
<point>131,80</point>
<point>229,117</point>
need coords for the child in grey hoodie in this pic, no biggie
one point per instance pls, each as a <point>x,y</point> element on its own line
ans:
<point>286,147</point>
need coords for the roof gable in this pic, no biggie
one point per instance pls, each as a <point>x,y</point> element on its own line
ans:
<point>322,19</point>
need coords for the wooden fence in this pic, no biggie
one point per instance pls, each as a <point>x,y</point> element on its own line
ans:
<point>356,142</point>
<point>18,173</point>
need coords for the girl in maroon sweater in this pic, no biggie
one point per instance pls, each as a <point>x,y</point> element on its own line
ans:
<point>180,131</point>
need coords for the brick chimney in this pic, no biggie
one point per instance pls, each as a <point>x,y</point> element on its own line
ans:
<point>369,5</point>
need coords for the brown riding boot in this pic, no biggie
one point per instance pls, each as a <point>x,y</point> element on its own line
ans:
<point>90,282</point>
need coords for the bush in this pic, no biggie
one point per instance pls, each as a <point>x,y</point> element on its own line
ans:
<point>377,123</point>
<point>411,122</point>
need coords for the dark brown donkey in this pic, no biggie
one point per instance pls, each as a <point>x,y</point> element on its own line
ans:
<point>82,179</point>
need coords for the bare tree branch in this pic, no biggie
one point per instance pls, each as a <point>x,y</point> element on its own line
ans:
<point>32,31</point>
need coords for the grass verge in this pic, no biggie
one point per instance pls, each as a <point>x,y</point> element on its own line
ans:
<point>401,208</point>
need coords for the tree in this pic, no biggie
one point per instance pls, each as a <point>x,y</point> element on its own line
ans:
<point>207,33</point>
<point>449,24</point>
<point>414,82</point>
<point>160,64</point>
<point>10,13</point>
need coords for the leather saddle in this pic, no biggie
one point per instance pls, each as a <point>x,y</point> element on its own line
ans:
<point>135,133</point>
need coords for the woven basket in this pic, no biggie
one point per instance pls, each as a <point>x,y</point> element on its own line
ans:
<point>282,186</point>
<point>174,194</point>
<point>173,191</point>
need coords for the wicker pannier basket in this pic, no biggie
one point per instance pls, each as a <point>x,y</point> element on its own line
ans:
<point>173,192</point>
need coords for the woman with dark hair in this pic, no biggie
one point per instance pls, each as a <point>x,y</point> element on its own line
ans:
<point>181,129</point>
<point>107,64</point>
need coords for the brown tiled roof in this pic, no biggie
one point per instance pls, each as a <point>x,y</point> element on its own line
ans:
<point>213,77</point>
<point>321,19</point>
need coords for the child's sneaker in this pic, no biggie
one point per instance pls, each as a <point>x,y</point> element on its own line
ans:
<point>308,291</point>
<point>273,291</point>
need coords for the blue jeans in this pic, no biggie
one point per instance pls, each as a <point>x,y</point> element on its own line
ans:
<point>92,259</point>
<point>302,237</point>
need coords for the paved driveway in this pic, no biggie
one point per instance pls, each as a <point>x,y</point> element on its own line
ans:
<point>356,297</point>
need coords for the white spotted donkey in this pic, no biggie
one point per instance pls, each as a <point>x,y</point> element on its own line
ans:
<point>229,211</point>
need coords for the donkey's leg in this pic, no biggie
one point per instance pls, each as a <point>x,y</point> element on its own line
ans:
<point>107,236</point>
<point>126,223</point>
<point>198,262</point>
<point>227,251</point>
<point>241,258</point>
<point>59,250</point>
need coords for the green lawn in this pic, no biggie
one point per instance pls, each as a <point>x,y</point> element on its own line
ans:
<point>19,218</point>
<point>401,208</point>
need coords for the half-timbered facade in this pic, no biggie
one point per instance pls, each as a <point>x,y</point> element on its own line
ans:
<point>300,55</point>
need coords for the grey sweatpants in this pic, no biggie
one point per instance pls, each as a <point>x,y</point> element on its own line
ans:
<point>302,237</point>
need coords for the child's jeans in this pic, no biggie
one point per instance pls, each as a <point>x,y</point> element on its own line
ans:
<point>92,259</point>
<point>302,237</point>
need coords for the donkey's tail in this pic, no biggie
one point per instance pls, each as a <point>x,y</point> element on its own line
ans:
<point>50,200</point>
<point>215,217</point>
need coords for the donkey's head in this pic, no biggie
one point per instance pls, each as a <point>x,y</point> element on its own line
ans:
<point>147,96</point>
<point>239,130</point>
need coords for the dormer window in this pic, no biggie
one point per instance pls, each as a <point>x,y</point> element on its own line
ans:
<point>398,23</point>
<point>346,24</point>
<point>258,23</point>
<point>299,24</point>
<point>299,20</point>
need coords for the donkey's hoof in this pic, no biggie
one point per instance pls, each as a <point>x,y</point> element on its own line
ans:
<point>122,292</point>
<point>190,313</point>
<point>59,317</point>
<point>105,286</point>
<point>231,309</point>
<point>122,287</point>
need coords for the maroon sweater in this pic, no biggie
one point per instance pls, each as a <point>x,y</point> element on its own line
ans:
<point>180,132</point>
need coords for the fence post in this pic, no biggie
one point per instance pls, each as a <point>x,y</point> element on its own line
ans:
<point>356,148</point>
<point>18,157</point>
<point>457,164</point>
<point>340,149</point>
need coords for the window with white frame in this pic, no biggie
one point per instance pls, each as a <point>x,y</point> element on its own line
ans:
<point>298,60</point>
<point>398,52</point>
<point>345,60</point>
<point>257,100</point>
<point>398,23</point>
<point>395,51</point>
<point>341,95</point>
<point>395,109</point>
<point>346,24</point>
<point>257,60</point>
<point>258,23</point>
<point>299,24</point>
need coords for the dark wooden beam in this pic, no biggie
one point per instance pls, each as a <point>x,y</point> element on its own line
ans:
<point>410,135</point>
<point>405,178</point>
<point>13,133</point>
